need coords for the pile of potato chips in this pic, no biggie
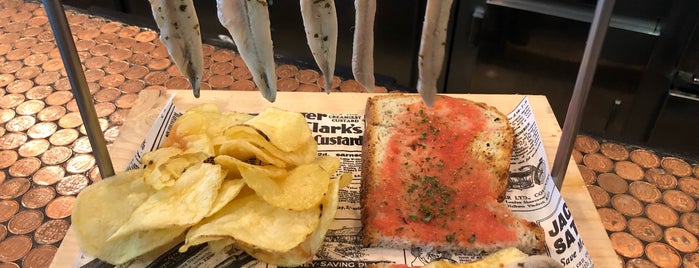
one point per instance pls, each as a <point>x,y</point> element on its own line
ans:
<point>220,178</point>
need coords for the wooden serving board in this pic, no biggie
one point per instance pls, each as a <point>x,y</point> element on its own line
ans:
<point>150,103</point>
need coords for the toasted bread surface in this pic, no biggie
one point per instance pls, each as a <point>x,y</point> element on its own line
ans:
<point>435,177</point>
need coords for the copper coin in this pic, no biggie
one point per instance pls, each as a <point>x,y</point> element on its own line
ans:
<point>173,71</point>
<point>96,62</point>
<point>15,27</point>
<point>56,155</point>
<point>28,72</point>
<point>663,255</point>
<point>54,65</point>
<point>20,123</point>
<point>38,197</point>
<point>76,18</point>
<point>8,208</point>
<point>61,207</point>
<point>107,95</point>
<point>128,31</point>
<point>42,47</point>
<point>645,158</point>
<point>116,67</point>
<point>146,36</point>
<point>93,75</point>
<point>12,140</point>
<point>47,78</point>
<point>626,245</point>
<point>208,50</point>
<point>645,229</point>
<point>64,137</point>
<point>676,166</point>
<point>599,196</point>
<point>48,175</point>
<point>101,49</point>
<point>26,42</point>
<point>308,88</point>
<point>40,256</point>
<point>627,205</point>
<point>11,100</point>
<point>612,183</point>
<point>586,144</point>
<point>160,87</point>
<point>14,188</point>
<point>72,185</point>
<point>3,234</point>
<point>142,48</point>
<point>286,71</point>
<point>72,106</point>
<point>56,53</point>
<point>612,220</point>
<point>33,148</point>
<point>177,82</point>
<point>88,33</point>
<point>239,74</point>
<point>32,7</point>
<point>691,260</point>
<point>689,185</point>
<point>93,22</point>
<point>82,145</point>
<point>119,116</point>
<point>679,201</point>
<point>139,59</point>
<point>124,43</point>
<point>222,68</point>
<point>104,123</point>
<point>598,162</point>
<point>120,54</point>
<point>14,247</point>
<point>588,175</point>
<point>51,232</point>
<point>159,63</point>
<point>287,84</point>
<point>335,83</point>
<point>112,80</point>
<point>110,27</point>
<point>681,240</point>
<point>85,44</point>
<point>46,36</point>
<point>239,62</point>
<point>42,130</point>
<point>644,191</point>
<point>80,163</point>
<point>37,21</point>
<point>25,167</point>
<point>111,134</point>
<point>126,101</point>
<point>21,16</point>
<point>136,72</point>
<point>70,120</point>
<point>223,55</point>
<point>156,78</point>
<point>104,109</point>
<point>107,38</point>
<point>207,63</point>
<point>220,81</point>
<point>690,222</point>
<point>6,115</point>
<point>9,38</point>
<point>662,214</point>
<point>4,48</point>
<point>132,86</point>
<point>10,66</point>
<point>7,158</point>
<point>25,221</point>
<point>243,85</point>
<point>51,113</point>
<point>160,51</point>
<point>660,178</point>
<point>95,174</point>
<point>18,54</point>
<point>6,79</point>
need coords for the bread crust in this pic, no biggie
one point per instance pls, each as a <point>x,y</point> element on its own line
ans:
<point>377,126</point>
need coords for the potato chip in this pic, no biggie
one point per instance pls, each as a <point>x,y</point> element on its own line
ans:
<point>164,165</point>
<point>228,191</point>
<point>102,208</point>
<point>302,155</point>
<point>345,179</point>
<point>304,252</point>
<point>181,205</point>
<point>251,221</point>
<point>285,129</point>
<point>232,164</point>
<point>302,188</point>
<point>245,151</point>
<point>328,163</point>
<point>202,119</point>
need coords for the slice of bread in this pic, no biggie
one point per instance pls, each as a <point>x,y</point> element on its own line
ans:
<point>435,177</point>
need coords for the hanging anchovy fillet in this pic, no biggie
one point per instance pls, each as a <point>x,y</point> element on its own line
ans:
<point>363,47</point>
<point>320,21</point>
<point>432,45</point>
<point>179,31</point>
<point>248,23</point>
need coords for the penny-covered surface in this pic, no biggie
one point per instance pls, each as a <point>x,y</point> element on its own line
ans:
<point>648,201</point>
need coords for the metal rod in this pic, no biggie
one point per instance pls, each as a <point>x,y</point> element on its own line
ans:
<point>588,65</point>
<point>76,76</point>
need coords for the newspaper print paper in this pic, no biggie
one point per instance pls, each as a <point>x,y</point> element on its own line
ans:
<point>532,195</point>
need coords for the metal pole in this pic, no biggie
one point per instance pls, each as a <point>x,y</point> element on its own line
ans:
<point>588,65</point>
<point>76,76</point>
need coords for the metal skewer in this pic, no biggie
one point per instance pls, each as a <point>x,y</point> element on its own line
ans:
<point>588,65</point>
<point>76,76</point>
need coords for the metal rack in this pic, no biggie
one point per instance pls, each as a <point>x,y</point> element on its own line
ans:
<point>600,23</point>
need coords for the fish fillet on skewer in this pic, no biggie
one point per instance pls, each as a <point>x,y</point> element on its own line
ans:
<point>320,21</point>
<point>248,23</point>
<point>179,31</point>
<point>432,45</point>
<point>363,47</point>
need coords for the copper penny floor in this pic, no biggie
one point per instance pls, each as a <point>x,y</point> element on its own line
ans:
<point>647,201</point>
